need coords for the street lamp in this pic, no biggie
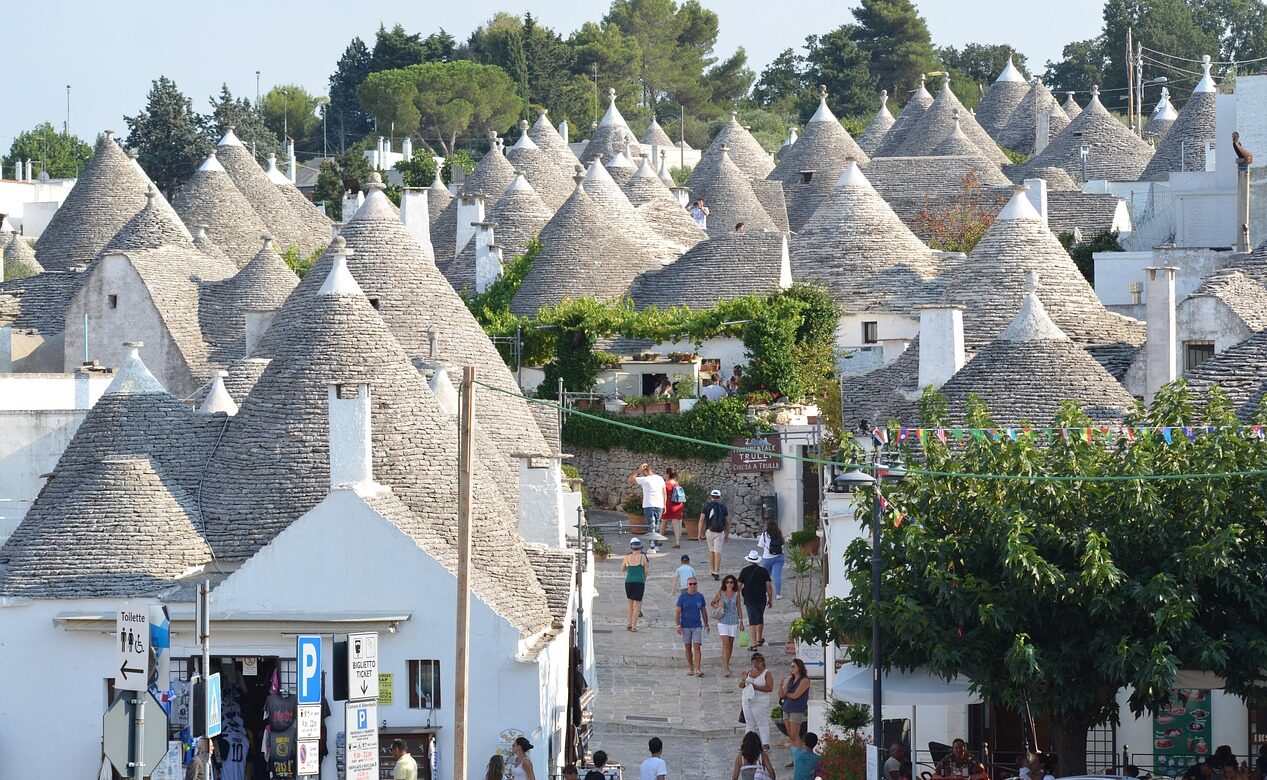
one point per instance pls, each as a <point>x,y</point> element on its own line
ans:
<point>852,480</point>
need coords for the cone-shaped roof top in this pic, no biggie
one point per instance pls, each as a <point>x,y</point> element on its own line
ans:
<point>542,168</point>
<point>654,135</point>
<point>1071,107</point>
<point>491,176</point>
<point>896,137</point>
<point>728,193</point>
<point>546,137</point>
<point>1183,147</point>
<point>261,285</point>
<point>204,244</point>
<point>728,266</point>
<point>612,135</point>
<point>210,198</point>
<point>518,217</point>
<point>1162,118</point>
<point>1018,134</point>
<point>609,198</point>
<point>153,226</point>
<point>311,218</point>
<point>1115,153</point>
<point>1001,99</point>
<point>873,136</point>
<point>938,120</point>
<point>620,168</point>
<point>823,148</point>
<point>660,208</point>
<point>17,258</point>
<point>743,149</point>
<point>442,213</point>
<point>290,225</point>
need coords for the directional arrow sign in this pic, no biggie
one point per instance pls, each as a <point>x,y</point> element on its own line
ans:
<point>116,733</point>
<point>132,641</point>
<point>362,666</point>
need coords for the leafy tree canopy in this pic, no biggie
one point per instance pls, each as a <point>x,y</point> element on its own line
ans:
<point>1082,64</point>
<point>347,119</point>
<point>896,38</point>
<point>169,137</point>
<point>290,112</point>
<point>246,121</point>
<point>61,156</point>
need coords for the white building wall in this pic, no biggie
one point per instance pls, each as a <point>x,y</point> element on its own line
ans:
<point>29,205</point>
<point>1115,272</point>
<point>541,515</point>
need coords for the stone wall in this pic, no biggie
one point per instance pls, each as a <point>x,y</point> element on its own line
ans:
<point>606,475</point>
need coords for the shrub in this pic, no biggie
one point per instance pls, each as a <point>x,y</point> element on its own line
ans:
<point>714,421</point>
<point>843,758</point>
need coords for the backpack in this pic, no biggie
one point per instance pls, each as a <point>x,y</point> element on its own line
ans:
<point>715,517</point>
<point>678,495</point>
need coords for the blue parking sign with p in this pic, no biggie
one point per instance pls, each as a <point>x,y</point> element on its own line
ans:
<point>308,660</point>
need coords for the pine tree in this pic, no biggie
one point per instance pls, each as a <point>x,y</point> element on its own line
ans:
<point>347,119</point>
<point>246,121</point>
<point>835,61</point>
<point>169,138</point>
<point>896,38</point>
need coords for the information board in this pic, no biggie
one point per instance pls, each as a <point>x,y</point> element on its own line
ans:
<point>361,725</point>
<point>1181,732</point>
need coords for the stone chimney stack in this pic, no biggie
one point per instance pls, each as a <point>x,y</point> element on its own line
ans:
<point>294,161</point>
<point>488,256</point>
<point>30,171</point>
<point>407,148</point>
<point>351,203</point>
<point>351,450</point>
<point>470,213</point>
<point>415,214</point>
<point>563,130</point>
<point>941,350</point>
<point>1036,192</point>
<point>1161,355</point>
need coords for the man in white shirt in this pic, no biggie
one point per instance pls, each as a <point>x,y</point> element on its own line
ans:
<point>653,498</point>
<point>406,767</point>
<point>654,768</point>
<point>713,391</point>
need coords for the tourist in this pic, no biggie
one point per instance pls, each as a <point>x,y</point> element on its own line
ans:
<point>406,767</point>
<point>770,542</point>
<point>755,686</point>
<point>521,769</point>
<point>713,390</point>
<point>635,565</point>
<point>892,765</point>
<point>739,226</point>
<point>794,694</point>
<point>570,773</point>
<point>684,574</point>
<point>672,516</point>
<point>654,767</point>
<point>753,761</point>
<point>600,761</point>
<point>729,618</point>
<point>664,389</point>
<point>496,769</point>
<point>805,760</point>
<point>714,525</point>
<point>691,617</point>
<point>958,762</point>
<point>652,485</point>
<point>699,213</point>
<point>197,769</point>
<point>758,593</point>
<point>732,384</point>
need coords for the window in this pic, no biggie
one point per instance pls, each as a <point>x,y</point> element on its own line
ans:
<point>1137,293</point>
<point>1196,353</point>
<point>870,333</point>
<point>114,301</point>
<point>424,685</point>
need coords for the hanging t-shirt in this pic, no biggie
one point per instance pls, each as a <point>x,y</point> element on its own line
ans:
<point>281,761</point>
<point>279,711</point>
<point>233,755</point>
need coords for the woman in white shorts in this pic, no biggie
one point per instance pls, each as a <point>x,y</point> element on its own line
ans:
<point>729,618</point>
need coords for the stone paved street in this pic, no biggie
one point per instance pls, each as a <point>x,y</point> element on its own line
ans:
<point>643,690</point>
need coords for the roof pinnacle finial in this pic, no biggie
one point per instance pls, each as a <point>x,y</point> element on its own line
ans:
<point>266,239</point>
<point>611,94</point>
<point>822,91</point>
<point>884,96</point>
<point>1095,91</point>
<point>1031,282</point>
<point>523,125</point>
<point>340,280</point>
<point>150,192</point>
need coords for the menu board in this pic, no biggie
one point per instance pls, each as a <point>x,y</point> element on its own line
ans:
<point>1181,731</point>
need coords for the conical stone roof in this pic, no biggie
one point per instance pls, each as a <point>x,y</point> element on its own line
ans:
<point>729,195</point>
<point>611,201</point>
<point>956,144</point>
<point>1183,147</point>
<point>304,211</point>
<point>611,136</point>
<point>1025,374</point>
<point>1162,118</point>
<point>654,135</point>
<point>290,226</point>
<point>620,168</point>
<point>660,208</point>
<point>109,191</point>
<point>584,253</point>
<point>1071,107</point>
<point>743,149</point>
<point>491,176</point>
<point>1019,133</point>
<point>546,137</point>
<point>210,198</point>
<point>17,258</point>
<point>442,213</point>
<point>895,139</point>
<point>154,226</point>
<point>1116,154</point>
<point>1058,179</point>
<point>263,284</point>
<point>1001,100</point>
<point>732,265</point>
<point>518,217</point>
<point>873,136</point>
<point>934,124</point>
<point>865,256</point>
<point>543,170</point>
<point>824,148</point>
<point>204,244</point>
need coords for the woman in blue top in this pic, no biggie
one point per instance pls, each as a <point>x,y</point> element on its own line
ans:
<point>794,693</point>
<point>730,619</point>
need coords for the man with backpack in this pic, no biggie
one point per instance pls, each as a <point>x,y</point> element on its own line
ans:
<point>714,523</point>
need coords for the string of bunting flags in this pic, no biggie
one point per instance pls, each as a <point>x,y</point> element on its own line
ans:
<point>1130,433</point>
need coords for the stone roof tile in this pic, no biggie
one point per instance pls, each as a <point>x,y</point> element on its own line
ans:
<point>895,138</point>
<point>878,128</point>
<point>1116,153</point>
<point>211,198</point>
<point>722,268</point>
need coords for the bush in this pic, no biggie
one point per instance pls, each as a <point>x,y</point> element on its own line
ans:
<point>714,421</point>
<point>847,715</point>
<point>843,758</point>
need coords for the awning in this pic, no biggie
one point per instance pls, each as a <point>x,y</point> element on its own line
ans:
<point>182,618</point>
<point>903,689</point>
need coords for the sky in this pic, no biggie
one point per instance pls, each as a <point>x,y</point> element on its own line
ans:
<point>109,53</point>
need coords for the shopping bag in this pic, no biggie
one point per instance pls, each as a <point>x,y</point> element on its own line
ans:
<point>744,639</point>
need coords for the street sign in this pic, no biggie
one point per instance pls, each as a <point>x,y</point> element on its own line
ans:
<point>308,653</point>
<point>362,666</point>
<point>361,726</point>
<point>206,709</point>
<point>132,666</point>
<point>308,718</point>
<point>116,729</point>
<point>309,759</point>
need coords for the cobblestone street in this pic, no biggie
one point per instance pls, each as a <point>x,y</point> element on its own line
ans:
<point>643,690</point>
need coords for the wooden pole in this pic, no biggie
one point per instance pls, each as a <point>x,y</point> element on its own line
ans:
<point>1130,80</point>
<point>462,663</point>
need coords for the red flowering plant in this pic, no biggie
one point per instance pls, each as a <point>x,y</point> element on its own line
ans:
<point>843,757</point>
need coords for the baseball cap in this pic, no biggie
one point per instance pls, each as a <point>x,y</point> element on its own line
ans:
<point>686,558</point>
<point>715,494</point>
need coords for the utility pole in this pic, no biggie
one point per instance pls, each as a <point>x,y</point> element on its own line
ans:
<point>202,624</point>
<point>681,150</point>
<point>462,672</point>
<point>257,90</point>
<point>67,133</point>
<point>1130,78</point>
<point>594,67</point>
<point>1139,87</point>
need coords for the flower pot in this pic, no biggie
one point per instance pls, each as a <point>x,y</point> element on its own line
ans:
<point>686,404</point>
<point>614,405</point>
<point>691,526</point>
<point>637,523</point>
<point>600,557</point>
<point>812,546</point>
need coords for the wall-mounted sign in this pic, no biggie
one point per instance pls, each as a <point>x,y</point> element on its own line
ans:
<point>766,459</point>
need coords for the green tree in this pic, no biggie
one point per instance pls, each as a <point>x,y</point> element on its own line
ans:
<point>61,156</point>
<point>1163,25</point>
<point>289,111</point>
<point>340,174</point>
<point>500,42</point>
<point>1240,26</point>
<point>1082,65</point>
<point>844,67</point>
<point>443,100</point>
<point>896,38</point>
<point>419,170</point>
<point>168,136</point>
<point>729,81</point>
<point>346,117</point>
<point>605,49</point>
<point>246,121</point>
<point>395,48</point>
<point>1056,594</point>
<point>783,82</point>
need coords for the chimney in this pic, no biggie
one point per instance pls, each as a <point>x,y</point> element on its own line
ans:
<point>351,203</point>
<point>218,399</point>
<point>407,148</point>
<point>1042,127</point>
<point>30,171</point>
<point>1161,355</point>
<point>563,130</point>
<point>1036,193</point>
<point>415,214</point>
<point>1243,241</point>
<point>791,136</point>
<point>488,256</point>
<point>351,451</point>
<point>941,351</point>
<point>294,161</point>
<point>258,322</point>
<point>470,213</point>
<point>445,392</point>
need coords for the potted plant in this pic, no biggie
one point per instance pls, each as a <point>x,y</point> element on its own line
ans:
<point>636,404</point>
<point>806,539</point>
<point>847,716</point>
<point>599,545</point>
<point>695,496</point>
<point>684,392</point>
<point>633,507</point>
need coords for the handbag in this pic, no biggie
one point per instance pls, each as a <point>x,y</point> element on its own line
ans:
<point>717,613</point>
<point>742,719</point>
<point>743,638</point>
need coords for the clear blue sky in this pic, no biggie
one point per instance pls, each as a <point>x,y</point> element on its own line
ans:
<point>109,53</point>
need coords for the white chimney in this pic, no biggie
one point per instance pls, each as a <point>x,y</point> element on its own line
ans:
<point>351,203</point>
<point>407,148</point>
<point>351,451</point>
<point>470,213</point>
<point>488,257</point>
<point>218,398</point>
<point>1161,356</point>
<point>30,171</point>
<point>446,393</point>
<point>1042,130</point>
<point>415,214</point>
<point>258,321</point>
<point>941,352</point>
<point>563,130</point>
<point>1037,196</point>
<point>294,161</point>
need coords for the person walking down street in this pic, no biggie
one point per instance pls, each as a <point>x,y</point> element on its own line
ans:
<point>770,542</point>
<point>654,767</point>
<point>755,686</point>
<point>729,618</point>
<point>600,761</point>
<point>753,761</point>
<point>674,503</point>
<point>692,624</point>
<point>897,757</point>
<point>521,769</point>
<point>197,769</point>
<point>406,767</point>
<point>794,694</point>
<point>683,574</point>
<point>653,496</point>
<point>758,593</point>
<point>635,565</point>
<point>714,526</point>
